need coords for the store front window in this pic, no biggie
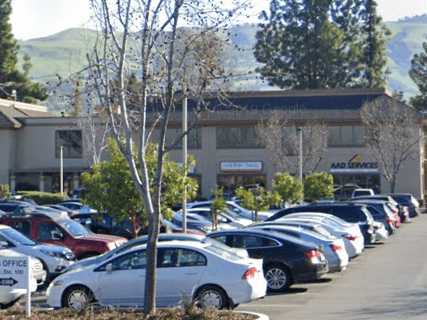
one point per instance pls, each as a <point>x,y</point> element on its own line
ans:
<point>230,182</point>
<point>345,183</point>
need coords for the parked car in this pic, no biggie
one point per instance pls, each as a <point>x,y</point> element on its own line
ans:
<point>162,237</point>
<point>55,259</point>
<point>8,295</point>
<point>349,232</point>
<point>16,206</point>
<point>381,212</point>
<point>408,200</point>
<point>354,243</point>
<point>58,229</point>
<point>352,213</point>
<point>186,270</point>
<point>59,207</point>
<point>362,192</point>
<point>332,247</point>
<point>286,260</point>
<point>77,206</point>
<point>235,207</point>
<point>197,222</point>
<point>402,211</point>
<point>224,217</point>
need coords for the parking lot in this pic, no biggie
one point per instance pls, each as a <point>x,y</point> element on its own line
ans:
<point>388,281</point>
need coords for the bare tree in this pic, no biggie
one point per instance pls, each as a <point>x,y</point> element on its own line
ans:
<point>392,135</point>
<point>279,134</point>
<point>95,131</point>
<point>146,38</point>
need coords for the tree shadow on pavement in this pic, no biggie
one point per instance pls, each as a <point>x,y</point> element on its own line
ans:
<point>411,303</point>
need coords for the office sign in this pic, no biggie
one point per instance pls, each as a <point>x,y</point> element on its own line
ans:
<point>241,166</point>
<point>15,273</point>
<point>356,164</point>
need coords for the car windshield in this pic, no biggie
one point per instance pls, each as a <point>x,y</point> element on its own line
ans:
<point>18,237</point>
<point>74,228</point>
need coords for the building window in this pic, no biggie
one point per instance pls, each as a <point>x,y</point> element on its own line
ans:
<point>72,143</point>
<point>230,182</point>
<point>346,136</point>
<point>237,138</point>
<point>194,137</point>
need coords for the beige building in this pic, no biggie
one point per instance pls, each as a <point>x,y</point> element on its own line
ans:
<point>225,145</point>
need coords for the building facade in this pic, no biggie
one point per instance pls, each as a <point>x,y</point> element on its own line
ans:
<point>224,143</point>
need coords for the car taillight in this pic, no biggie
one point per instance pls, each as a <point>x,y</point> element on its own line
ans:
<point>351,237</point>
<point>335,247</point>
<point>313,256</point>
<point>389,221</point>
<point>249,274</point>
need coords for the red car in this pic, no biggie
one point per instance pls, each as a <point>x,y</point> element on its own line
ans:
<point>60,230</point>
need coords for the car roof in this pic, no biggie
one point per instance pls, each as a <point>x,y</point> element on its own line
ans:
<point>268,234</point>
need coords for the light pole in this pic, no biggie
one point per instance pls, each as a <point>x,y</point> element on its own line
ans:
<point>300,153</point>
<point>184,160</point>
<point>61,170</point>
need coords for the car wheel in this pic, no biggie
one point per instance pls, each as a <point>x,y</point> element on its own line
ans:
<point>211,297</point>
<point>9,304</point>
<point>278,278</point>
<point>78,298</point>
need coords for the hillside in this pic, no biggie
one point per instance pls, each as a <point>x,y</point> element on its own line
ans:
<point>65,52</point>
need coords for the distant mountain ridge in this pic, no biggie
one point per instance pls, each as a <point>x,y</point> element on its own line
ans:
<point>64,53</point>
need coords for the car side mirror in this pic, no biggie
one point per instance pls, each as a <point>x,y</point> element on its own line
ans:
<point>56,235</point>
<point>109,268</point>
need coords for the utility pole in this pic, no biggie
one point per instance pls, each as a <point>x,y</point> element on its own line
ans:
<point>61,170</point>
<point>300,153</point>
<point>184,159</point>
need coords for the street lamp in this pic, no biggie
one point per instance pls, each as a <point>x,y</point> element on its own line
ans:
<point>299,131</point>
<point>61,170</point>
<point>184,160</point>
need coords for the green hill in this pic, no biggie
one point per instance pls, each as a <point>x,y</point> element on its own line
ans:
<point>65,52</point>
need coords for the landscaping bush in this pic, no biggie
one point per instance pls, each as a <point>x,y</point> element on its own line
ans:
<point>288,187</point>
<point>4,191</point>
<point>167,314</point>
<point>318,186</point>
<point>42,198</point>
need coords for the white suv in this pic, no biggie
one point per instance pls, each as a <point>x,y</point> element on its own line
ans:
<point>54,258</point>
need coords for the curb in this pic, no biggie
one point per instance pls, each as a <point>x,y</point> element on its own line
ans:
<point>259,315</point>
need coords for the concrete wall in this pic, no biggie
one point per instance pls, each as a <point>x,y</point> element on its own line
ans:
<point>35,148</point>
<point>7,153</point>
<point>209,158</point>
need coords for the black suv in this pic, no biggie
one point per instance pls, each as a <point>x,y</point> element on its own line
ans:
<point>353,213</point>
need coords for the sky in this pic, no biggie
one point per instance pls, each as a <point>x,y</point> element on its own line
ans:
<point>39,18</point>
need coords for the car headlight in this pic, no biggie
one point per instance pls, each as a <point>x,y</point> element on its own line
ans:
<point>69,255</point>
<point>111,246</point>
<point>54,254</point>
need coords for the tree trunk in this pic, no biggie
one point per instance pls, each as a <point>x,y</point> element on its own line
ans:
<point>150,278</point>
<point>393,184</point>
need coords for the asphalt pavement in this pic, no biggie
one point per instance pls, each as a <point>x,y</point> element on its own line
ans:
<point>387,281</point>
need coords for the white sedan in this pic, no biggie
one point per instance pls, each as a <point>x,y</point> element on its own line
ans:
<point>187,271</point>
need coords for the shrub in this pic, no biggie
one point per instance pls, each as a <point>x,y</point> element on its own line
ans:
<point>288,187</point>
<point>164,314</point>
<point>318,186</point>
<point>4,191</point>
<point>42,198</point>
